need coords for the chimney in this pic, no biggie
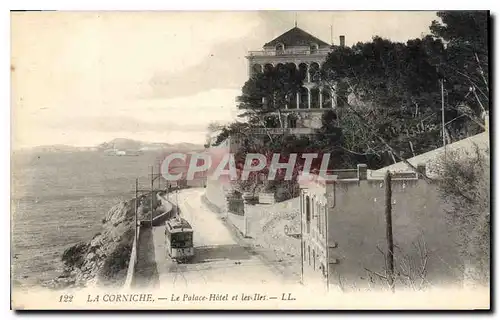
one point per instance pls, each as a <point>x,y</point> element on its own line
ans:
<point>342,41</point>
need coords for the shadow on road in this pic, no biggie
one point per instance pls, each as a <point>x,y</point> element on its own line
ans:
<point>146,270</point>
<point>222,252</point>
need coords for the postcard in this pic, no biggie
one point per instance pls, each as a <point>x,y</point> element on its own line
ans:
<point>255,160</point>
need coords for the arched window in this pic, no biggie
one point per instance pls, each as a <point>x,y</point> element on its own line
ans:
<point>314,72</point>
<point>327,99</point>
<point>303,93</point>
<point>302,69</point>
<point>292,121</point>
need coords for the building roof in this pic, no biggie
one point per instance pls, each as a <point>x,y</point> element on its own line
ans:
<point>178,223</point>
<point>430,159</point>
<point>297,37</point>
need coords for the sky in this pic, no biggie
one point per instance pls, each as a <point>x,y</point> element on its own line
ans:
<point>82,78</point>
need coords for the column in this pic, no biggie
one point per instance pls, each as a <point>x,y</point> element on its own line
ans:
<point>309,98</point>
<point>308,74</point>
<point>320,98</point>
<point>298,99</point>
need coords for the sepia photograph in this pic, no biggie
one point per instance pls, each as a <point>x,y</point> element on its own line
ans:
<point>250,160</point>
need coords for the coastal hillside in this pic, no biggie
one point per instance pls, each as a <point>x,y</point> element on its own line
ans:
<point>118,144</point>
<point>129,144</point>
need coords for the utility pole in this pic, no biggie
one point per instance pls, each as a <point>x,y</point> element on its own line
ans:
<point>388,221</point>
<point>159,175</point>
<point>135,226</point>
<point>442,115</point>
<point>136,218</point>
<point>152,194</point>
<point>327,249</point>
<point>301,242</point>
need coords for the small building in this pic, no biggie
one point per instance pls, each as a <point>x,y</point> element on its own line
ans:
<point>304,52</point>
<point>344,231</point>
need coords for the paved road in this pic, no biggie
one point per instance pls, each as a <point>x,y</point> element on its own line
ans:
<point>219,259</point>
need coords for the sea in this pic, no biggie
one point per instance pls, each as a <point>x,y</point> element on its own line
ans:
<point>60,198</point>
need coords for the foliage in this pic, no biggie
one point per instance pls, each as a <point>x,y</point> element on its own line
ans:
<point>268,92</point>
<point>392,85</point>
<point>465,186</point>
<point>465,65</point>
<point>389,97</point>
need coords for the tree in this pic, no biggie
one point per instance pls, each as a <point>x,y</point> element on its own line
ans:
<point>212,128</point>
<point>464,184</point>
<point>267,93</point>
<point>465,65</point>
<point>390,97</point>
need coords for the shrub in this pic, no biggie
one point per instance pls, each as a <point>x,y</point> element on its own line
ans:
<point>465,186</point>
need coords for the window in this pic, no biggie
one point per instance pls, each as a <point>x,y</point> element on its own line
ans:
<point>313,204</point>
<point>309,254</point>
<point>323,269</point>
<point>292,121</point>
<point>308,214</point>
<point>313,48</point>
<point>280,48</point>
<point>325,218</point>
<point>182,240</point>
<point>319,219</point>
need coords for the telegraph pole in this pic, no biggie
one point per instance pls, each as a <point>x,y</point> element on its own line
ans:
<point>136,230</point>
<point>388,221</point>
<point>152,194</point>
<point>302,242</point>
<point>442,115</point>
<point>135,226</point>
<point>159,175</point>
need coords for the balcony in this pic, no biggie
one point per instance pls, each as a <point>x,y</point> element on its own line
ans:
<point>283,130</point>
<point>289,52</point>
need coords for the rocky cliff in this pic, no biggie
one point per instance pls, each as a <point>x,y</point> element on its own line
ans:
<point>103,261</point>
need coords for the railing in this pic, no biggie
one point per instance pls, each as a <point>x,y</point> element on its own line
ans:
<point>132,261</point>
<point>283,130</point>
<point>288,52</point>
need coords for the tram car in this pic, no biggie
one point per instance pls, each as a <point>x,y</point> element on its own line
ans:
<point>179,239</point>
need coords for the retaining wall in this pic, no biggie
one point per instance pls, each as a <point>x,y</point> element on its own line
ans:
<point>168,207</point>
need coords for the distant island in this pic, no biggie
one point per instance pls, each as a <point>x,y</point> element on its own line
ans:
<point>120,147</point>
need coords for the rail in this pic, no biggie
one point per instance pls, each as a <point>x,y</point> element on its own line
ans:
<point>283,130</point>
<point>132,262</point>
<point>319,52</point>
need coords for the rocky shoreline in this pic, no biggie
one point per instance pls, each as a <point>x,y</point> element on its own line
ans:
<point>103,261</point>
<point>85,263</point>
